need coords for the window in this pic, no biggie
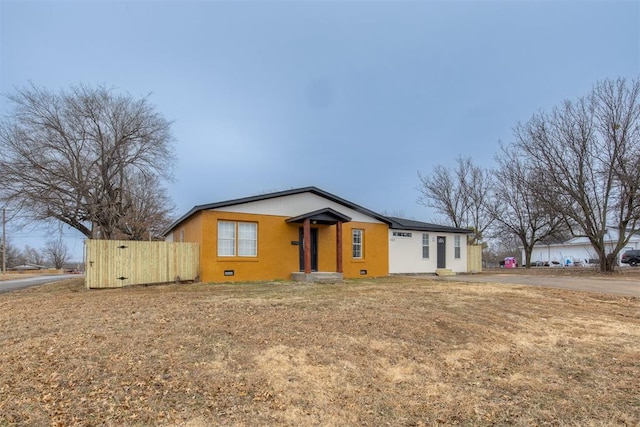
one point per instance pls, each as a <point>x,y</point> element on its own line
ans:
<point>247,241</point>
<point>226,238</point>
<point>425,245</point>
<point>357,243</point>
<point>456,246</point>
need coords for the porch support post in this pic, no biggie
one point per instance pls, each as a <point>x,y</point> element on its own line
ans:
<point>307,245</point>
<point>339,247</point>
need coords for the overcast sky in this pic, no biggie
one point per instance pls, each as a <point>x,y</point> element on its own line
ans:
<point>354,97</point>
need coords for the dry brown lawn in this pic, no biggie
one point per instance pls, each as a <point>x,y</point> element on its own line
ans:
<point>394,351</point>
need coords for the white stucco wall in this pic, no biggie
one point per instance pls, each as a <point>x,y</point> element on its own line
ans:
<point>405,253</point>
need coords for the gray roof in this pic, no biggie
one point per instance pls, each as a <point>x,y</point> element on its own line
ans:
<point>409,224</point>
<point>313,190</point>
<point>393,222</point>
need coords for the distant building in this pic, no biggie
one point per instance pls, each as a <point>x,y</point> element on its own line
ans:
<point>27,266</point>
<point>577,251</point>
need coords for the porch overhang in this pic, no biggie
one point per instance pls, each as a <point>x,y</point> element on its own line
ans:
<point>326,216</point>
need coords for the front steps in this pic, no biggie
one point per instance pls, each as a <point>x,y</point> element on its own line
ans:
<point>444,272</point>
<point>316,276</point>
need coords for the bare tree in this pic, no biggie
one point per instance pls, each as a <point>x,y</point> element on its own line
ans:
<point>56,252</point>
<point>498,247</point>
<point>149,209</point>
<point>14,256</point>
<point>587,154</point>
<point>461,195</point>
<point>66,156</point>
<point>33,255</point>
<point>516,209</point>
<point>397,213</point>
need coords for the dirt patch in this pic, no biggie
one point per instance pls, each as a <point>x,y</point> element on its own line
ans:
<point>397,351</point>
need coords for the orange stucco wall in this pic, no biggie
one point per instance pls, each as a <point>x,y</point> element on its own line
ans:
<point>190,229</point>
<point>277,256</point>
<point>375,257</point>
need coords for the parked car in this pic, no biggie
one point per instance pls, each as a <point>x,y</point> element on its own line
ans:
<point>631,257</point>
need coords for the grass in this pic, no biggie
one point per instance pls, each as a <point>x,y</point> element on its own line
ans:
<point>394,351</point>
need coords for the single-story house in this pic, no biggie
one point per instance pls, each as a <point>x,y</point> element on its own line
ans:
<point>307,231</point>
<point>578,250</point>
<point>421,247</point>
<point>27,267</point>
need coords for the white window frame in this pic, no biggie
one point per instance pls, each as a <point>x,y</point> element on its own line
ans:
<point>357,243</point>
<point>456,247</point>
<point>226,238</point>
<point>425,245</point>
<point>247,239</point>
<point>237,238</point>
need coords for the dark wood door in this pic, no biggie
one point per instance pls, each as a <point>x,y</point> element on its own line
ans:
<point>314,248</point>
<point>442,252</point>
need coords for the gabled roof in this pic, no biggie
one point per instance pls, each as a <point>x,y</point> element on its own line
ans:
<point>312,190</point>
<point>321,216</point>
<point>409,224</point>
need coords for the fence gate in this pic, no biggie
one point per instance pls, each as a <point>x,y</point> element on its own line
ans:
<point>474,258</point>
<point>119,263</point>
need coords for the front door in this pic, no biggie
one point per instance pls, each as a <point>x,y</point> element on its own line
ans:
<point>442,252</point>
<point>314,248</point>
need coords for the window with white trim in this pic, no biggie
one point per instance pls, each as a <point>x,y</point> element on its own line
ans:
<point>425,245</point>
<point>356,239</point>
<point>247,239</point>
<point>246,243</point>
<point>456,246</point>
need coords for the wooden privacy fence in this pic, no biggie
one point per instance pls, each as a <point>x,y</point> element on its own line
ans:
<point>120,263</point>
<point>474,258</point>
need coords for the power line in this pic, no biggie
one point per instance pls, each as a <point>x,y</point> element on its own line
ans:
<point>4,240</point>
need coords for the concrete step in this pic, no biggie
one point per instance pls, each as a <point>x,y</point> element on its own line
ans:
<point>317,276</point>
<point>444,272</point>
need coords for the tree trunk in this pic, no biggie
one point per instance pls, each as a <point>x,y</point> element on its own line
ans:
<point>527,256</point>
<point>609,263</point>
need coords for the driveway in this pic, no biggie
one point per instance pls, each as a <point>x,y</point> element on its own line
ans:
<point>628,285</point>
<point>15,284</point>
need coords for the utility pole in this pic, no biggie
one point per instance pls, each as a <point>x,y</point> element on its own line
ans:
<point>4,240</point>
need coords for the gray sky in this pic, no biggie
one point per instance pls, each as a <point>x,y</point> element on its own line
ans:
<point>354,97</point>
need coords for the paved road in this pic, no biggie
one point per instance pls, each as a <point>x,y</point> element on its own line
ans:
<point>629,286</point>
<point>12,285</point>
